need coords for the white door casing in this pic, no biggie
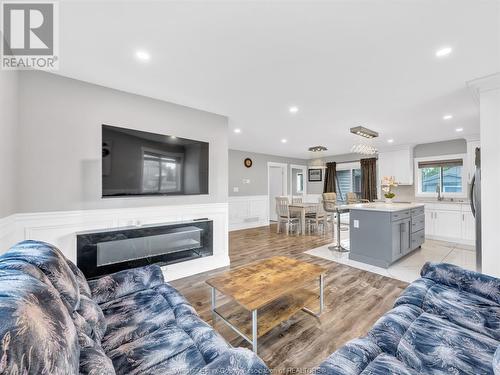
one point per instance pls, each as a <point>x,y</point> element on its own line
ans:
<point>277,178</point>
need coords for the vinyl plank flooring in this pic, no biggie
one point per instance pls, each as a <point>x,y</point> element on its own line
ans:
<point>354,300</point>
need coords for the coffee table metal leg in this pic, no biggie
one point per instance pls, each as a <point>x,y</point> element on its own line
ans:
<point>321,291</point>
<point>254,331</point>
<point>321,298</point>
<point>214,315</point>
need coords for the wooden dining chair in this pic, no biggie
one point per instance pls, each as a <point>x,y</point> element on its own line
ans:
<point>284,215</point>
<point>316,219</point>
<point>296,199</point>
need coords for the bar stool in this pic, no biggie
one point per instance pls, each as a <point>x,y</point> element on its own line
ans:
<point>330,205</point>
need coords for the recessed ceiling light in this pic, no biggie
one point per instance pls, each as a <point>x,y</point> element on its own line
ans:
<point>390,140</point>
<point>293,109</point>
<point>284,141</point>
<point>447,117</point>
<point>445,51</point>
<point>458,130</point>
<point>143,55</point>
<point>173,137</point>
<point>237,131</point>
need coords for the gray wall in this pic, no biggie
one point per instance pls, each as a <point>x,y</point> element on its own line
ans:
<point>60,156</point>
<point>8,129</point>
<point>257,174</point>
<point>455,146</point>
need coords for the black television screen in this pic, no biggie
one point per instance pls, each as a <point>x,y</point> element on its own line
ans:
<point>141,163</point>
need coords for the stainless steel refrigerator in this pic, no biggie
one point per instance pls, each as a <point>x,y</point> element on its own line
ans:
<point>475,204</point>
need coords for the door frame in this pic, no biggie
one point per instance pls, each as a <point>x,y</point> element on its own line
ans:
<point>284,168</point>
<point>304,172</point>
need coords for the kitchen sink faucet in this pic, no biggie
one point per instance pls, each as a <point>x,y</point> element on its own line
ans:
<point>438,190</point>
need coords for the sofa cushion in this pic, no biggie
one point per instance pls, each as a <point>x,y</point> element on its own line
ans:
<point>169,344</point>
<point>93,317</point>
<point>350,359</point>
<point>429,343</point>
<point>237,361</point>
<point>155,329</point>
<point>83,285</point>
<point>464,280</point>
<point>465,309</point>
<point>134,316</point>
<point>93,361</point>
<point>385,364</point>
<point>37,335</point>
<point>53,264</point>
<point>391,327</point>
<point>432,344</point>
<point>25,267</point>
<point>122,283</point>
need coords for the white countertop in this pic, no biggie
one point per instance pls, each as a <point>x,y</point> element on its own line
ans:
<point>385,207</point>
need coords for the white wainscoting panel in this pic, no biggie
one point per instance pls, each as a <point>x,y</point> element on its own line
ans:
<point>249,211</point>
<point>60,228</point>
<point>8,235</point>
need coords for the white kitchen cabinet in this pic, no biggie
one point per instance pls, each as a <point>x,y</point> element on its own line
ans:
<point>468,225</point>
<point>397,163</point>
<point>429,223</point>
<point>471,157</point>
<point>450,222</point>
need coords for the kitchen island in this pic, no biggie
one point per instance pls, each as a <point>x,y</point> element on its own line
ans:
<point>381,233</point>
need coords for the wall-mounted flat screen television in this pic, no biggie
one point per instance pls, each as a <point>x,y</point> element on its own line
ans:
<point>136,163</point>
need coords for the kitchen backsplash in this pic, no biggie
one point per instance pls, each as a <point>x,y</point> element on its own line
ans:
<point>404,193</point>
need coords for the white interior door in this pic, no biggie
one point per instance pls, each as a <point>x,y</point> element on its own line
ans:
<point>276,187</point>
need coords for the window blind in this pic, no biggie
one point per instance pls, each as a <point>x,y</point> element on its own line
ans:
<point>440,163</point>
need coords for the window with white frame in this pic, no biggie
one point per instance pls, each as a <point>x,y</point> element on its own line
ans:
<point>443,174</point>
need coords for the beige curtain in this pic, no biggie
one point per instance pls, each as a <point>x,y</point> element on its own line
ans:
<point>330,178</point>
<point>369,179</point>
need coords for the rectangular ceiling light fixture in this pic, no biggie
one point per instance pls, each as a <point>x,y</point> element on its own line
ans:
<point>364,132</point>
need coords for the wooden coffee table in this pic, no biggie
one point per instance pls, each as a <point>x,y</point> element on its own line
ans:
<point>265,293</point>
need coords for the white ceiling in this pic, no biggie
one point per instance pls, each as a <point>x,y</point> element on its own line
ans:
<point>343,63</point>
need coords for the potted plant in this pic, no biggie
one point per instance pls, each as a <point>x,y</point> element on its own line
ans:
<point>387,184</point>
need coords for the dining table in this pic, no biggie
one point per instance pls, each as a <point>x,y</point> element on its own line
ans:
<point>303,208</point>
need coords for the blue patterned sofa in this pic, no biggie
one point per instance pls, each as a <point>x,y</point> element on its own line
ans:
<point>446,322</point>
<point>54,322</point>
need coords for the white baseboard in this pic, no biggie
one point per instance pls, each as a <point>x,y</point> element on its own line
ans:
<point>241,226</point>
<point>459,241</point>
<point>60,228</point>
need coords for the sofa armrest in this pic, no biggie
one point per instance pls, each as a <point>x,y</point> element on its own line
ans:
<point>463,280</point>
<point>236,361</point>
<point>350,359</point>
<point>119,284</point>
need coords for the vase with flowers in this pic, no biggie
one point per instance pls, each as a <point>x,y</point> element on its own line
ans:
<point>388,182</point>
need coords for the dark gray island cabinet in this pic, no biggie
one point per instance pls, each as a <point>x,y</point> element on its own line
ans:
<point>381,233</point>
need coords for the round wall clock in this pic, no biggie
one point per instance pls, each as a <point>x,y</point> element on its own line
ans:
<point>248,162</point>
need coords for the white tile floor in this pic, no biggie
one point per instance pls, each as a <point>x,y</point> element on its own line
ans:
<point>408,268</point>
